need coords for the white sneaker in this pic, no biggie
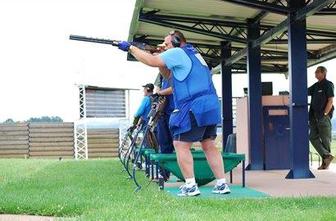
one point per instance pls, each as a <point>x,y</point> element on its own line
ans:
<point>221,189</point>
<point>189,191</point>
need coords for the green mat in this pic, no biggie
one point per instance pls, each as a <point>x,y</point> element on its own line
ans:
<point>237,191</point>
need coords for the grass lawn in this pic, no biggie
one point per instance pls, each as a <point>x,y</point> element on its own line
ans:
<point>98,190</point>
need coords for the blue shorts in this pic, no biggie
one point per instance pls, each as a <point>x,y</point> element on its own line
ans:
<point>197,133</point>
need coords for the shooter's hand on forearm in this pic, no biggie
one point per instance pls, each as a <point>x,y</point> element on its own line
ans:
<point>124,45</point>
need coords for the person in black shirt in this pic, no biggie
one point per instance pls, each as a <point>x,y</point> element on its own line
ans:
<point>320,114</point>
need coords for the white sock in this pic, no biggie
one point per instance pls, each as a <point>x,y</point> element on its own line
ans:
<point>220,181</point>
<point>190,181</point>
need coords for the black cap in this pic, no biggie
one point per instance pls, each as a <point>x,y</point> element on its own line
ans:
<point>149,87</point>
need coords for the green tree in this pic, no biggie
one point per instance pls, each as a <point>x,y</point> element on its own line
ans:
<point>9,121</point>
<point>45,119</point>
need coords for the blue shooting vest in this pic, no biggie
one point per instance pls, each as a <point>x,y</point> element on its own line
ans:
<point>195,93</point>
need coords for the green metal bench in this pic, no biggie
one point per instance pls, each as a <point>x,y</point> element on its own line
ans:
<point>149,169</point>
<point>203,173</point>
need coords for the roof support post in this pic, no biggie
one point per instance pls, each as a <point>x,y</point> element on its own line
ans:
<point>254,99</point>
<point>227,120</point>
<point>298,140</point>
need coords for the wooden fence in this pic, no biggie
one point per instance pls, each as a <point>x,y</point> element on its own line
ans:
<point>53,140</point>
<point>14,140</point>
<point>103,142</point>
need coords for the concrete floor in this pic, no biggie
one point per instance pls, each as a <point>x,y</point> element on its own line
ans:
<point>274,183</point>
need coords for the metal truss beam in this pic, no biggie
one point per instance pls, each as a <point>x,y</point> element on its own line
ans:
<point>310,9</point>
<point>82,101</point>
<point>217,23</point>
<point>80,128</point>
<point>80,136</point>
<point>306,11</point>
<point>327,11</point>
<point>265,69</point>
<point>258,18</point>
<point>215,60</point>
<point>324,55</point>
<point>209,31</point>
<point>236,57</point>
<point>264,13</point>
<point>211,52</point>
<point>262,5</point>
<point>321,33</point>
<point>309,41</point>
<point>274,58</point>
<point>186,19</point>
<point>148,40</point>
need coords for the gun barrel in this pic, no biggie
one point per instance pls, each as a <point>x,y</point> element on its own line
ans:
<point>143,46</point>
<point>94,40</point>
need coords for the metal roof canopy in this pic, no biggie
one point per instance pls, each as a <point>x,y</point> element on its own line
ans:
<point>208,23</point>
<point>226,31</point>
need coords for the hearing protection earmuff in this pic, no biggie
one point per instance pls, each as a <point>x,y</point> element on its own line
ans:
<point>176,40</point>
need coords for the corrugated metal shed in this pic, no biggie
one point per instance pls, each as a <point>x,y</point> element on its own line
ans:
<point>207,23</point>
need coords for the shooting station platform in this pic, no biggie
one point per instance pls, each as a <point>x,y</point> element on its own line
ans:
<point>271,183</point>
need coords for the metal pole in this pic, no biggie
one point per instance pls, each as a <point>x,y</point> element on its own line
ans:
<point>298,141</point>
<point>227,124</point>
<point>254,99</point>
